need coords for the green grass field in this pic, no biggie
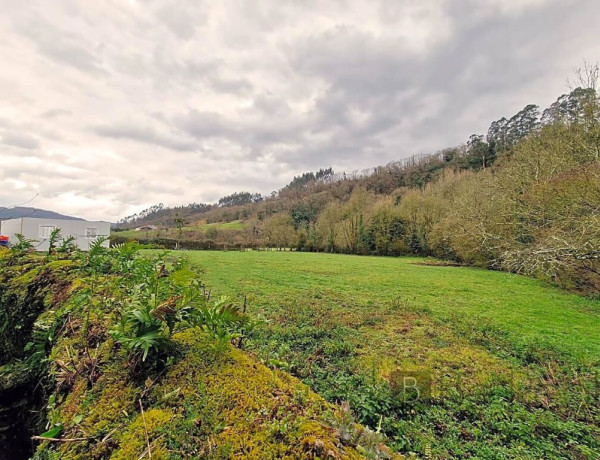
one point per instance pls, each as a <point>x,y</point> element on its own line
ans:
<point>512,363</point>
<point>524,307</point>
<point>187,230</point>
<point>233,225</point>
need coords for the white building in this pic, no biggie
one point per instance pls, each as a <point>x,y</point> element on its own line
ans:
<point>39,230</point>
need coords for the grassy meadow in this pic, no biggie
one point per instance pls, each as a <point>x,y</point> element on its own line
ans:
<point>511,364</point>
<point>187,231</point>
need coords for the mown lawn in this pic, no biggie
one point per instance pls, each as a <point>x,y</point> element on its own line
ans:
<point>513,363</point>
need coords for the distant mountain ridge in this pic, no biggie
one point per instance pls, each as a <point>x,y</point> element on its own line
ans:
<point>23,211</point>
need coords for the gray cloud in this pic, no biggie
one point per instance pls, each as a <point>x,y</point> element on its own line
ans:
<point>182,19</point>
<point>204,125</point>
<point>22,140</point>
<point>53,113</point>
<point>144,134</point>
<point>108,107</point>
<point>62,45</point>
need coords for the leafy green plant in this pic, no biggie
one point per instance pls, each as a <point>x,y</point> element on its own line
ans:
<point>370,443</point>
<point>161,301</point>
<point>67,245</point>
<point>221,318</point>
<point>23,244</point>
<point>139,330</point>
<point>54,238</point>
<point>53,432</point>
<point>96,259</point>
<point>42,338</point>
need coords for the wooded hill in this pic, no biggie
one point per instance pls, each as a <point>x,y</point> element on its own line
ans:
<point>525,197</point>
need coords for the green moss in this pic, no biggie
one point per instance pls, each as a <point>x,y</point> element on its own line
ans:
<point>27,277</point>
<point>152,424</point>
<point>22,291</point>
<point>59,264</point>
<point>13,375</point>
<point>213,402</point>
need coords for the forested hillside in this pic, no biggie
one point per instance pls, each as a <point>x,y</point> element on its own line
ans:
<point>524,197</point>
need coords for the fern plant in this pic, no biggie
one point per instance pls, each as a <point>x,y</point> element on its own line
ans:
<point>139,330</point>
<point>147,324</point>
<point>221,318</point>
<point>97,258</point>
<point>23,244</point>
<point>156,301</point>
<point>67,245</point>
<point>54,238</point>
<point>42,338</point>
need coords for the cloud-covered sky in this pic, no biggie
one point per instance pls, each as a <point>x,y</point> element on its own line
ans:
<point>109,106</point>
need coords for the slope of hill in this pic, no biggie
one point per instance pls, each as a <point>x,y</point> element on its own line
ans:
<point>23,211</point>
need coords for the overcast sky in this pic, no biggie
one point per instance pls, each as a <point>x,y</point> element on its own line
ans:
<point>107,107</point>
